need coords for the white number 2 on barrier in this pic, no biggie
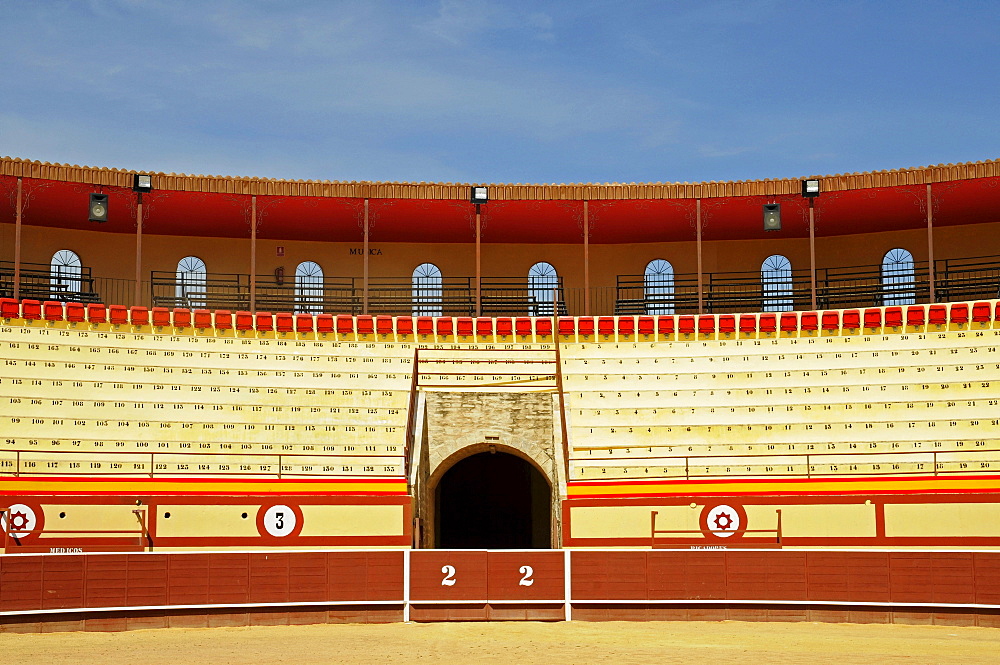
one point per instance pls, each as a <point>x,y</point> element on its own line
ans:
<point>527,571</point>
<point>449,576</point>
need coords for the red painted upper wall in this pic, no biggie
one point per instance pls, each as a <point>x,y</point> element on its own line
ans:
<point>60,204</point>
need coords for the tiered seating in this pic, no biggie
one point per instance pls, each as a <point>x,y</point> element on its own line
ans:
<point>816,401</point>
<point>101,390</point>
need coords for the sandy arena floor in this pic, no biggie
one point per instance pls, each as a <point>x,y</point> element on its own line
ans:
<point>610,643</point>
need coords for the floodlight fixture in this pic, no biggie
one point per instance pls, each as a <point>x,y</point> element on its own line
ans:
<point>479,195</point>
<point>810,187</point>
<point>142,182</point>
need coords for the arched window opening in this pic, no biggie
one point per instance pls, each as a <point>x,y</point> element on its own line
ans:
<point>776,280</point>
<point>426,290</point>
<point>658,287</point>
<point>308,288</point>
<point>898,283</point>
<point>189,289</point>
<point>543,280</point>
<point>65,270</point>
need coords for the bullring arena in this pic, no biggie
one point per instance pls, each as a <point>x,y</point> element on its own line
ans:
<point>242,402</point>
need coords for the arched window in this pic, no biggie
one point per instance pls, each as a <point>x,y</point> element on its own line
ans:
<point>776,280</point>
<point>426,292</point>
<point>898,285</point>
<point>308,288</point>
<point>658,287</point>
<point>542,281</point>
<point>189,287</point>
<point>64,273</point>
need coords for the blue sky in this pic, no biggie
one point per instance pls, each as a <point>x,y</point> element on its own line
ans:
<point>484,91</point>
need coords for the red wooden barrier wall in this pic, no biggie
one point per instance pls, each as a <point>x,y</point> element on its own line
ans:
<point>427,585</point>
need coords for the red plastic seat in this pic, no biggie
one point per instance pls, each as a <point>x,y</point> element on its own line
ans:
<point>852,319</point>
<point>894,317</point>
<point>425,325</point>
<point>606,325</point>
<point>366,324</point>
<point>567,325</point>
<point>484,326</point>
<point>138,316</point>
<point>444,325</point>
<point>52,310</point>
<point>284,322</point>
<point>182,318</point>
<point>748,323</point>
<point>383,325</point>
<point>626,326</point>
<point>937,315</point>
<point>789,322</point>
<point>873,318</point>
<point>117,314</point>
<point>831,321</point>
<point>685,325</point>
<point>768,323</point>
<point>647,325</point>
<point>263,321</point>
<point>345,325</point>
<point>505,327</point>
<point>665,325</point>
<point>202,318</point>
<point>706,324</point>
<point>325,323</point>
<point>223,319</point>
<point>915,315</point>
<point>303,323</point>
<point>404,325</point>
<point>97,313</point>
<point>809,321</point>
<point>727,323</point>
<point>31,310</point>
<point>244,321</point>
<point>543,327</point>
<point>160,317</point>
<point>464,326</point>
<point>996,314</point>
<point>9,308</point>
<point>522,326</point>
<point>981,312</point>
<point>959,313</point>
<point>585,326</point>
<point>76,312</point>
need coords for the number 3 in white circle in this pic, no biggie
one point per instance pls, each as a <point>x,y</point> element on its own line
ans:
<point>279,521</point>
<point>449,576</point>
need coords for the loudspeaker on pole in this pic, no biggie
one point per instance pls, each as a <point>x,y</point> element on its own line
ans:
<point>772,216</point>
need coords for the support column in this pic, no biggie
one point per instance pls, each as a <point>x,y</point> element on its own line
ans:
<point>253,253</point>
<point>17,241</point>
<point>930,246</point>
<point>479,261</point>
<point>137,298</point>
<point>586,258</point>
<point>364,285</point>
<point>812,251</point>
<point>697,226</point>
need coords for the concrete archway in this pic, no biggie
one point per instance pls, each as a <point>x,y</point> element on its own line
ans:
<point>492,500</point>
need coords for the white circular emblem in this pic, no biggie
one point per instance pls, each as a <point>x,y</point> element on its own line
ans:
<point>18,520</point>
<point>279,521</point>
<point>723,521</point>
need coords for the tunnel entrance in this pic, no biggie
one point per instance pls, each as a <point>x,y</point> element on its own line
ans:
<point>493,501</point>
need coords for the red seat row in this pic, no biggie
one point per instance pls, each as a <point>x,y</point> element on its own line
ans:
<point>585,326</point>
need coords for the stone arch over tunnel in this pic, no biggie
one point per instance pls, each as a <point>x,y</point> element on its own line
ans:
<point>491,497</point>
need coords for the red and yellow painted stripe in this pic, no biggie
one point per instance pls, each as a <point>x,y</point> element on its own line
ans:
<point>788,486</point>
<point>26,486</point>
